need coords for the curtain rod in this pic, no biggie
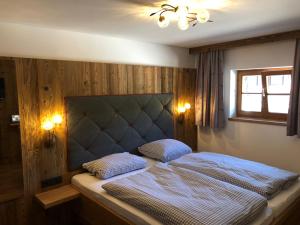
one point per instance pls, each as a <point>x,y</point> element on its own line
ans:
<point>248,41</point>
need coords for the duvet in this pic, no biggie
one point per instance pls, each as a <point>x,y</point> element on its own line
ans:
<point>176,195</point>
<point>263,179</point>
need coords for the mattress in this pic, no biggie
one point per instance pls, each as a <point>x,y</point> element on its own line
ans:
<point>92,187</point>
<point>285,198</point>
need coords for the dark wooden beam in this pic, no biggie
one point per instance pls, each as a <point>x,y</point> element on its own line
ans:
<point>248,41</point>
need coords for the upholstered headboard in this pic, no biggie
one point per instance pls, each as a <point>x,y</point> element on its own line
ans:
<point>103,125</point>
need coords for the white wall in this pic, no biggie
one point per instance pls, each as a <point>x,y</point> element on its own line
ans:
<point>32,42</point>
<point>264,143</point>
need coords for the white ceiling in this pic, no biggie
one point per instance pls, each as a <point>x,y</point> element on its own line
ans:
<point>233,19</point>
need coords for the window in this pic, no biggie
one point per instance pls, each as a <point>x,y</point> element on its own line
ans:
<point>264,94</point>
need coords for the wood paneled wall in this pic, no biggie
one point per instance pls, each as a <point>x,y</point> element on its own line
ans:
<point>11,176</point>
<point>11,212</point>
<point>43,84</point>
<point>10,149</point>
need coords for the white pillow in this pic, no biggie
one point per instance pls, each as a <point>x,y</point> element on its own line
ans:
<point>115,164</point>
<point>165,150</point>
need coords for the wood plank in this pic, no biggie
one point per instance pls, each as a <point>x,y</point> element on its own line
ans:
<point>138,80</point>
<point>50,102</point>
<point>11,172</point>
<point>99,79</point>
<point>290,215</point>
<point>27,84</point>
<point>12,194</point>
<point>149,79</point>
<point>122,79</point>
<point>11,212</point>
<point>11,176</point>
<point>157,79</point>
<point>117,79</point>
<point>248,41</point>
<point>57,196</point>
<point>130,79</point>
<point>166,80</point>
<point>92,212</point>
<point>10,144</point>
<point>184,91</point>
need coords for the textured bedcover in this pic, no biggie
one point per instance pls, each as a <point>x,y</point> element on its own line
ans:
<point>175,195</point>
<point>254,176</point>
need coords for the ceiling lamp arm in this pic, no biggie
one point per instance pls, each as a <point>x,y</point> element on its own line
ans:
<point>201,17</point>
<point>165,8</point>
<point>152,14</point>
<point>170,6</point>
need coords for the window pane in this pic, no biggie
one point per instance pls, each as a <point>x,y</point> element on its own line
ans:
<point>252,84</point>
<point>251,102</point>
<point>278,103</point>
<point>279,84</point>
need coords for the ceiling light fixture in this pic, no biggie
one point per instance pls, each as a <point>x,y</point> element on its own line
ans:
<point>182,14</point>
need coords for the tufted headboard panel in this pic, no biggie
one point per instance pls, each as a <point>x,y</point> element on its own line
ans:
<point>103,125</point>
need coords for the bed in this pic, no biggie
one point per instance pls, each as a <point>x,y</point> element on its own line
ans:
<point>103,125</point>
<point>92,187</point>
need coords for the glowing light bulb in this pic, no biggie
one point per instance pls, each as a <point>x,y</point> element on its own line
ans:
<point>182,11</point>
<point>181,109</point>
<point>187,105</point>
<point>163,22</point>
<point>47,125</point>
<point>202,16</point>
<point>183,24</point>
<point>57,119</point>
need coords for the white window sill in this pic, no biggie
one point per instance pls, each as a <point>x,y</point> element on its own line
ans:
<point>260,121</point>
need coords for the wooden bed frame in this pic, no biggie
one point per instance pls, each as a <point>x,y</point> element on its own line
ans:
<point>291,215</point>
<point>91,212</point>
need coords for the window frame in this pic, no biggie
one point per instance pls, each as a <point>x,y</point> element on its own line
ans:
<point>264,114</point>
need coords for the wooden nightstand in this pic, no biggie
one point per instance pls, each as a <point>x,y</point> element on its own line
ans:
<point>57,196</point>
<point>58,206</point>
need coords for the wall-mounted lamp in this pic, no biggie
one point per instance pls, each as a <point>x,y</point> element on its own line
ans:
<point>57,119</point>
<point>181,111</point>
<point>49,126</point>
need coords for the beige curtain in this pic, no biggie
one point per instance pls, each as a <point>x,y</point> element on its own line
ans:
<point>209,90</point>
<point>293,122</point>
